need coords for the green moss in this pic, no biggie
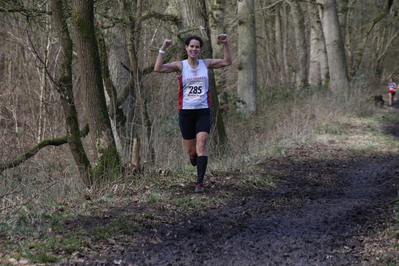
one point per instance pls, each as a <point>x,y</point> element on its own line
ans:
<point>108,165</point>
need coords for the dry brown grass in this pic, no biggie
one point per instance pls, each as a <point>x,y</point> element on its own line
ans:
<point>50,187</point>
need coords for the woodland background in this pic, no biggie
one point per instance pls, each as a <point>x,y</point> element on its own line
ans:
<point>80,106</point>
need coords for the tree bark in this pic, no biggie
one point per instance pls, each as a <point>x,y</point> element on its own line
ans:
<point>279,47</point>
<point>113,108</point>
<point>247,70</point>
<point>339,81</point>
<point>217,13</point>
<point>108,164</point>
<point>314,63</point>
<point>65,87</point>
<point>286,59</point>
<point>318,63</point>
<point>301,45</point>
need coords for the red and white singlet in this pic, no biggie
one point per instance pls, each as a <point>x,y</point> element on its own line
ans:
<point>391,87</point>
<point>194,90</point>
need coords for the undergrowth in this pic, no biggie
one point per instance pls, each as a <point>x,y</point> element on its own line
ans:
<point>40,207</point>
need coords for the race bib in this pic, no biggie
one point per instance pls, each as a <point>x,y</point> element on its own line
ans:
<point>196,88</point>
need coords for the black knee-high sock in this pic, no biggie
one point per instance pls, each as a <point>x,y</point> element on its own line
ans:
<point>202,162</point>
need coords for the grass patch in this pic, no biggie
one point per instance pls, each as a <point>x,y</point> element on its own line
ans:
<point>333,129</point>
<point>188,202</point>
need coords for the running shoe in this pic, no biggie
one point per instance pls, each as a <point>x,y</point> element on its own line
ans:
<point>199,188</point>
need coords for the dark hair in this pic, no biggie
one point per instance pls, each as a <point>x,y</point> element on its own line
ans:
<point>188,40</point>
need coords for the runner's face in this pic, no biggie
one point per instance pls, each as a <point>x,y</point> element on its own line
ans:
<point>193,49</point>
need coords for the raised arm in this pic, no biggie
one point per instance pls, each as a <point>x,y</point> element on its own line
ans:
<point>226,61</point>
<point>166,68</point>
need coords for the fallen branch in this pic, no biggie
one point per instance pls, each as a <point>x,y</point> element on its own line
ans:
<point>30,153</point>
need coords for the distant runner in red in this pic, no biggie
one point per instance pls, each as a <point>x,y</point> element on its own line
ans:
<point>195,117</point>
<point>391,91</point>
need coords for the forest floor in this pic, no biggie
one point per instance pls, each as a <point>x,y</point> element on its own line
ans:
<point>328,206</point>
<point>320,213</point>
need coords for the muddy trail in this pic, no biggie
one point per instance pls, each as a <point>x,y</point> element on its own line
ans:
<point>320,213</point>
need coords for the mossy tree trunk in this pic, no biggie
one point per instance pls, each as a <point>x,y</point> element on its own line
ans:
<point>113,108</point>
<point>64,86</point>
<point>108,163</point>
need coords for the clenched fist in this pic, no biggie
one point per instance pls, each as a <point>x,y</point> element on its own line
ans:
<point>223,38</point>
<point>166,44</point>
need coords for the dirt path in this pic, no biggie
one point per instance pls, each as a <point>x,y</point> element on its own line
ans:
<point>319,214</point>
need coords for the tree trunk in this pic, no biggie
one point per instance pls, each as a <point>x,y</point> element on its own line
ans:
<point>137,96</point>
<point>301,45</point>
<point>42,119</point>
<point>279,47</point>
<point>247,71</point>
<point>111,92</point>
<point>216,20</point>
<point>318,64</point>
<point>67,98</point>
<point>314,63</point>
<point>343,8</point>
<point>108,164</point>
<point>339,81</point>
<point>285,46</point>
<point>216,13</point>
<point>114,59</point>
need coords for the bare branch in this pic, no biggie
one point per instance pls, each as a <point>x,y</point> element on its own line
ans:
<point>280,1</point>
<point>163,17</point>
<point>270,6</point>
<point>25,11</point>
<point>366,35</point>
<point>33,197</point>
<point>34,150</point>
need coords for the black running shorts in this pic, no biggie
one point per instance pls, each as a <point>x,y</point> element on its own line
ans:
<point>194,121</point>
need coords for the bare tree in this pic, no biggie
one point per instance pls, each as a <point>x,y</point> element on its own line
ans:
<point>365,36</point>
<point>385,40</point>
<point>29,40</point>
<point>61,76</point>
